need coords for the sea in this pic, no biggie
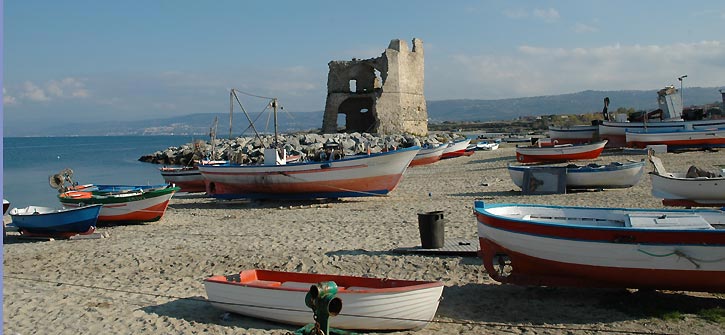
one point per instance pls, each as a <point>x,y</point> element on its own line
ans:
<point>28,163</point>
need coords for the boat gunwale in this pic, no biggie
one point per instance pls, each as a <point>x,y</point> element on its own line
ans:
<point>344,159</point>
<point>579,168</point>
<point>483,212</point>
<point>397,285</point>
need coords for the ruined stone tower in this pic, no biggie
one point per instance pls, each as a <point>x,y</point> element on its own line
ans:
<point>381,95</point>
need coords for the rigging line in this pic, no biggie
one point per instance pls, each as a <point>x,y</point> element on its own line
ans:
<point>255,120</point>
<point>252,95</point>
<point>251,124</point>
<point>485,324</point>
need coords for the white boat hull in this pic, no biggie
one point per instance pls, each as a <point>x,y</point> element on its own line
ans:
<point>428,155</point>
<point>573,134</point>
<point>623,176</point>
<point>365,175</point>
<point>615,132</point>
<point>361,308</point>
<point>613,247</point>
<point>677,138</point>
<point>674,186</point>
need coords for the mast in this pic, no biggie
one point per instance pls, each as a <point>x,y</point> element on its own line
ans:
<point>212,134</point>
<point>231,108</point>
<point>274,109</point>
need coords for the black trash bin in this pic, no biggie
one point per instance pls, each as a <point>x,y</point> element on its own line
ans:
<point>432,229</point>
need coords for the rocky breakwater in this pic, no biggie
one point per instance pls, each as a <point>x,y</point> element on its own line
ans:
<point>249,150</point>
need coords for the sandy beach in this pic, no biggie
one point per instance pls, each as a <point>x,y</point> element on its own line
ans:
<point>147,278</point>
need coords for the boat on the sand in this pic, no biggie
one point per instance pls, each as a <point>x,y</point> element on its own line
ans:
<point>367,303</point>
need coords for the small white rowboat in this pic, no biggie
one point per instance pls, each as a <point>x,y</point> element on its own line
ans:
<point>367,303</point>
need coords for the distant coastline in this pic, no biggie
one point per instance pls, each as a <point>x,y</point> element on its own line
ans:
<point>439,111</point>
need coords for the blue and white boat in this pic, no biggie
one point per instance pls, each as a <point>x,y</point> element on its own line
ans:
<point>63,222</point>
<point>591,176</point>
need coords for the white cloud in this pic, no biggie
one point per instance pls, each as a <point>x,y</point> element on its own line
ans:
<point>548,15</point>
<point>34,92</point>
<point>66,88</point>
<point>533,71</point>
<point>582,28</point>
<point>8,100</point>
<point>515,13</point>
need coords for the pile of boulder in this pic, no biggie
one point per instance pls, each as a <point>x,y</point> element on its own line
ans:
<point>249,150</point>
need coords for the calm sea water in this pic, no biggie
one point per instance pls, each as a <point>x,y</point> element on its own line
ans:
<point>30,161</point>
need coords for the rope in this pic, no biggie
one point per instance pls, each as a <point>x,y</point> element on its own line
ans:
<point>464,323</point>
<point>682,254</point>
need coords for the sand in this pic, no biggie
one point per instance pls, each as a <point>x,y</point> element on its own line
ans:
<point>147,279</point>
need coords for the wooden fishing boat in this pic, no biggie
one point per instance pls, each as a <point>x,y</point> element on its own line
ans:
<point>667,118</point>
<point>64,222</point>
<point>187,178</point>
<point>559,153</point>
<point>616,132</point>
<point>428,155</point>
<point>351,176</point>
<point>679,138</point>
<point>122,202</point>
<point>578,134</point>
<point>590,176</point>
<point>689,189</point>
<point>487,146</point>
<point>457,149</point>
<point>367,303</point>
<point>603,247</point>
<point>333,175</point>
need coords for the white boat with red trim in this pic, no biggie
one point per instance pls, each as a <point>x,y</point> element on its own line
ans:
<point>559,153</point>
<point>677,139</point>
<point>367,303</point>
<point>352,176</point>
<point>125,203</point>
<point>603,247</point>
<point>669,117</point>
<point>187,178</point>
<point>428,155</point>
<point>334,175</point>
<point>457,149</point>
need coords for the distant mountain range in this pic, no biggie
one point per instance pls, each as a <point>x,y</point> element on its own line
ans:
<point>438,111</point>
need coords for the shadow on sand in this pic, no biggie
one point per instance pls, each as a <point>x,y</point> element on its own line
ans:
<point>516,304</point>
<point>198,310</point>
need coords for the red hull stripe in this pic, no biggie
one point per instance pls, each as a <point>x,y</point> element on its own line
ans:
<point>370,184</point>
<point>601,234</point>
<point>423,161</point>
<point>152,213</point>
<point>523,158</point>
<point>703,141</point>
<point>315,170</point>
<point>530,270</point>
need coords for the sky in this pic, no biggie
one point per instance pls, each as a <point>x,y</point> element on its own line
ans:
<point>77,61</point>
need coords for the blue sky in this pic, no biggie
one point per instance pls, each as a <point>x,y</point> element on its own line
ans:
<point>76,61</point>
